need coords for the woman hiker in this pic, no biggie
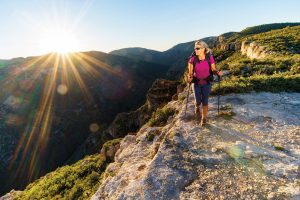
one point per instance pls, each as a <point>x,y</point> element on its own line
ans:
<point>202,86</point>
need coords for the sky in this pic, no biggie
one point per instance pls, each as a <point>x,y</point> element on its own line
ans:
<point>27,28</point>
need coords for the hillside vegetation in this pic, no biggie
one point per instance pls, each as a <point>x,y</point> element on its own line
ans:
<point>279,71</point>
<point>78,181</point>
<point>259,29</point>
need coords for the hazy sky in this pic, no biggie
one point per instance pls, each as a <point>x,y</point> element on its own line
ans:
<point>106,25</point>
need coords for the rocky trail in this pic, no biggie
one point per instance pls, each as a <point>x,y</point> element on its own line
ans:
<point>250,151</point>
<point>241,156</point>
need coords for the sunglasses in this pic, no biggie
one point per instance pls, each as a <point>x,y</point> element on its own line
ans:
<point>198,48</point>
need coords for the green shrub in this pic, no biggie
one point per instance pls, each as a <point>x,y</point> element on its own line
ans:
<point>279,148</point>
<point>150,137</point>
<point>160,117</point>
<point>78,181</point>
<point>220,55</point>
<point>109,143</point>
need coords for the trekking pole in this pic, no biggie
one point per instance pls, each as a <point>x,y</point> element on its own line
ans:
<point>219,80</point>
<point>187,98</point>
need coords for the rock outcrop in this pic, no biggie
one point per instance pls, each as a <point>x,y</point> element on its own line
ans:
<point>160,93</point>
<point>10,195</point>
<point>253,50</point>
<point>223,45</point>
<point>249,151</point>
<point>249,48</point>
<point>230,46</point>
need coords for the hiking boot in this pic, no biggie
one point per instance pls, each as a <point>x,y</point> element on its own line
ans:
<point>203,121</point>
<point>197,113</point>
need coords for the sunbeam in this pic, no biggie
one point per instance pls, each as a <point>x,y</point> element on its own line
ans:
<point>61,76</point>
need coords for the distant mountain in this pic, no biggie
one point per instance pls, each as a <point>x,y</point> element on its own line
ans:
<point>229,34</point>
<point>59,101</point>
<point>138,53</point>
<point>175,57</point>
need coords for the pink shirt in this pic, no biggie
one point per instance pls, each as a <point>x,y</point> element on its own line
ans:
<point>201,70</point>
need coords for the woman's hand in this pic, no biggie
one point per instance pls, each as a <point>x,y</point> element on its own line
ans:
<point>219,73</point>
<point>190,78</point>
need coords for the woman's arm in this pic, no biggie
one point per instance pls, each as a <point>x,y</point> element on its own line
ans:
<point>190,66</point>
<point>214,69</point>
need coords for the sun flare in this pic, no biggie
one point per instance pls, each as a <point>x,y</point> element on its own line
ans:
<point>59,40</point>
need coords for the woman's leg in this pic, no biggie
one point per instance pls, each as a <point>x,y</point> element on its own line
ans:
<point>205,91</point>
<point>196,90</point>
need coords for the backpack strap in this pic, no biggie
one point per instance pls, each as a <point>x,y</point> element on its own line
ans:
<point>194,63</point>
<point>207,57</point>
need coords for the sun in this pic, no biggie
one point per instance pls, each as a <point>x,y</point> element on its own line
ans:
<point>59,41</point>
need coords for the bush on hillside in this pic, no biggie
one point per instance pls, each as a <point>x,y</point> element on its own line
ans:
<point>160,117</point>
<point>78,181</point>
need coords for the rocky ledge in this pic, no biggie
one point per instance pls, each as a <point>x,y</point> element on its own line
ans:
<point>251,150</point>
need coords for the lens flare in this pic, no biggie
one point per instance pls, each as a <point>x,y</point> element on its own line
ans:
<point>62,89</point>
<point>94,127</point>
<point>236,152</point>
